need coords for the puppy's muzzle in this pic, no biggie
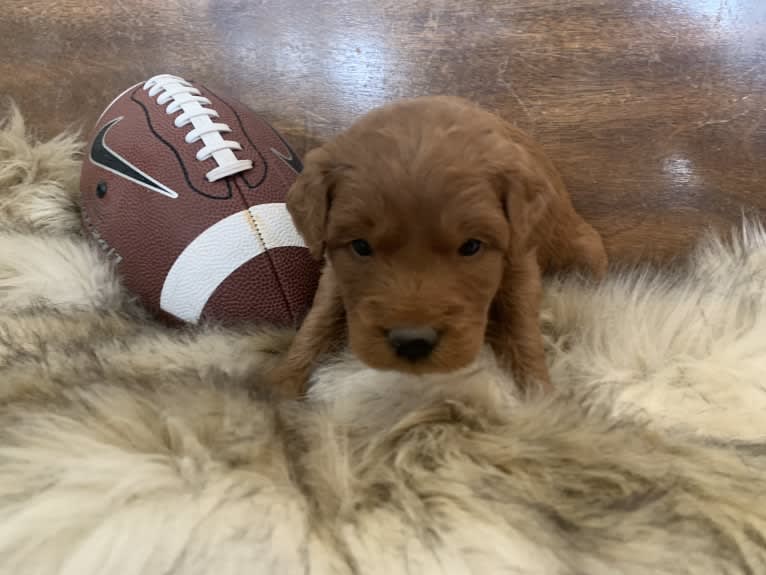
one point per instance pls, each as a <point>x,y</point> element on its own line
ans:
<point>412,343</point>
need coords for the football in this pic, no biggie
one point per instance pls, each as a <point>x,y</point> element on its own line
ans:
<point>185,189</point>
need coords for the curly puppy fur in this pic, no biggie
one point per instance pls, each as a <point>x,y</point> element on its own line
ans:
<point>457,211</point>
<point>129,448</point>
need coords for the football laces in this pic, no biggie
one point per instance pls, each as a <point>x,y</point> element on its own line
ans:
<point>179,95</point>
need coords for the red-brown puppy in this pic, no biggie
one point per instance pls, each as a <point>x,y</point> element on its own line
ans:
<point>435,218</point>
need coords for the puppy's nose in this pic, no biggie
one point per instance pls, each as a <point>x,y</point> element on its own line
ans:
<point>413,343</point>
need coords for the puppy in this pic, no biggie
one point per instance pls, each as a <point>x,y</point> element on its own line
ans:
<point>436,219</point>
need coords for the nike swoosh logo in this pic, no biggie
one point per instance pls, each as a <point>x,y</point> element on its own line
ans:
<point>291,159</point>
<point>103,156</point>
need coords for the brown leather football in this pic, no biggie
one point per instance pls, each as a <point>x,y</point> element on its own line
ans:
<point>185,188</point>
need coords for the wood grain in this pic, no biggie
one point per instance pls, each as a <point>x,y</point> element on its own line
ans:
<point>653,109</point>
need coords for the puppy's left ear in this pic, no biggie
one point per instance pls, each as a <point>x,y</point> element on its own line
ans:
<point>527,190</point>
<point>309,198</point>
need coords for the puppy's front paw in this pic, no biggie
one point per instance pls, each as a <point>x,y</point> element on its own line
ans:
<point>283,382</point>
<point>537,387</point>
<point>591,253</point>
<point>532,379</point>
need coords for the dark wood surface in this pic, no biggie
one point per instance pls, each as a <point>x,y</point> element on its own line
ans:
<point>653,109</point>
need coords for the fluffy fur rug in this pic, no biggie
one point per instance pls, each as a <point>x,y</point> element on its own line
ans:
<point>127,448</point>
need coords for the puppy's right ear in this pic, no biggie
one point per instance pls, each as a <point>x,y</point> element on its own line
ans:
<point>309,199</point>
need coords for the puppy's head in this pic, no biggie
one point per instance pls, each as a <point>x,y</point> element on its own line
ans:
<point>418,207</point>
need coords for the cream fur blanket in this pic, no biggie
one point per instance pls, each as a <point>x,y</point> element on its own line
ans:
<point>126,448</point>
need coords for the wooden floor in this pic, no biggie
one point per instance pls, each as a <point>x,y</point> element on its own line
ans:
<point>653,109</point>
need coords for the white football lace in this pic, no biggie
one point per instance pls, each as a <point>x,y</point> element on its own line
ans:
<point>181,95</point>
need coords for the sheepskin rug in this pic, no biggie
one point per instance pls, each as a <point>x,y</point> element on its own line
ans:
<point>127,448</point>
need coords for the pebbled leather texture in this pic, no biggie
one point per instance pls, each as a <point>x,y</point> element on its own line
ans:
<point>148,230</point>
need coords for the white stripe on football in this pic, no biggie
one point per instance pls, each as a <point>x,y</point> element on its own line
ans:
<point>218,251</point>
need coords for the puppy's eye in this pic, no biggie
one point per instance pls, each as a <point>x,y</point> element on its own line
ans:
<point>470,247</point>
<point>361,248</point>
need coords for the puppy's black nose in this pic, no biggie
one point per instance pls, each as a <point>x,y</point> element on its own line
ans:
<point>413,343</point>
